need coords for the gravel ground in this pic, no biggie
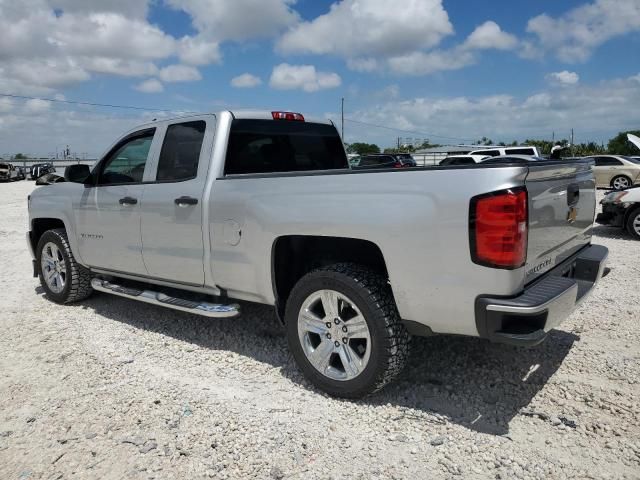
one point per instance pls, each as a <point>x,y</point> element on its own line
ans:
<point>110,388</point>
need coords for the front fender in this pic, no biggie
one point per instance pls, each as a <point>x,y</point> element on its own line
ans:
<point>56,202</point>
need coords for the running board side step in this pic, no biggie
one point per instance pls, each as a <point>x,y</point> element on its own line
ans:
<point>156,298</point>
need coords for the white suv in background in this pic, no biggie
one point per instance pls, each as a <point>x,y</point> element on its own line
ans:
<point>497,151</point>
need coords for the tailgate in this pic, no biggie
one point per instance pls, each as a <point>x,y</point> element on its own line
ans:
<point>561,210</point>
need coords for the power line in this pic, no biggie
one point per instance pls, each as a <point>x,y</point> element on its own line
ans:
<point>406,131</point>
<point>91,104</point>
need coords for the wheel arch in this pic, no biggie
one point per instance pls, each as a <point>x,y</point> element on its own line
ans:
<point>630,211</point>
<point>41,225</point>
<point>292,256</point>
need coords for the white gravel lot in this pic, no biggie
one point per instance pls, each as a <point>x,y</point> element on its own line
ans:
<point>110,388</point>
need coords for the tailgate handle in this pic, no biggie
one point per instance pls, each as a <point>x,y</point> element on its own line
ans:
<point>573,194</point>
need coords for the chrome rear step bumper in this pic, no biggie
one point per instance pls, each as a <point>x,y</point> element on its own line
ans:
<point>526,319</point>
<point>205,309</point>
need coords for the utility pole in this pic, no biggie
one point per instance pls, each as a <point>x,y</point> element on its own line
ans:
<point>572,142</point>
<point>342,110</point>
<point>553,137</point>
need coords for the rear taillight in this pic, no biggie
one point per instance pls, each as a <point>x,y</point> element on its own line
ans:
<point>498,224</point>
<point>398,165</point>
<point>295,117</point>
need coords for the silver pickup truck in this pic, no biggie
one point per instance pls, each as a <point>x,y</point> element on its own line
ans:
<point>197,212</point>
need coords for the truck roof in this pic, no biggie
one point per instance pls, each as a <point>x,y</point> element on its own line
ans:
<point>237,114</point>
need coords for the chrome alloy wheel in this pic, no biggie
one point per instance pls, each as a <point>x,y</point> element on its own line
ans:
<point>334,335</point>
<point>636,224</point>
<point>53,267</point>
<point>620,183</point>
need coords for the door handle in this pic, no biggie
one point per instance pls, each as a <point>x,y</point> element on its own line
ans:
<point>185,201</point>
<point>128,201</point>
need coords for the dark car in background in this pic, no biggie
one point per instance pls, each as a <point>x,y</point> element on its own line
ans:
<point>385,161</point>
<point>40,169</point>
<point>406,159</point>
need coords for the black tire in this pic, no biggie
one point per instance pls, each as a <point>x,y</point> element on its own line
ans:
<point>78,278</point>
<point>613,181</point>
<point>372,294</point>
<point>633,217</point>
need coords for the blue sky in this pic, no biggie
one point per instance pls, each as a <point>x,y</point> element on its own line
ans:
<point>446,70</point>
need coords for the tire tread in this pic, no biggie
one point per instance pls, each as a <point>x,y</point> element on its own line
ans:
<point>80,276</point>
<point>380,298</point>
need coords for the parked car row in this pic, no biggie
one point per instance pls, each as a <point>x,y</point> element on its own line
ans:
<point>10,172</point>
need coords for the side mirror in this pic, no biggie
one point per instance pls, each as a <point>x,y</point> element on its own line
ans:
<point>76,173</point>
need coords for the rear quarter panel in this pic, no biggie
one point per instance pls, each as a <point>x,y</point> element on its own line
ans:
<point>418,218</point>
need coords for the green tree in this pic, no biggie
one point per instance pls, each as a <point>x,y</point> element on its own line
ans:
<point>363,148</point>
<point>620,145</point>
<point>484,141</point>
<point>20,156</point>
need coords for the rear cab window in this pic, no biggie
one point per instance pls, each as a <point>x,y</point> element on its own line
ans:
<point>277,146</point>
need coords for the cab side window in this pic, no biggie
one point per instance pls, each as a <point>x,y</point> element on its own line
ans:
<point>126,163</point>
<point>181,151</point>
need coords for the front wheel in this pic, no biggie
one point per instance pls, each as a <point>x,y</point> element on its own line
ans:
<point>61,277</point>
<point>344,330</point>
<point>620,182</point>
<point>633,223</point>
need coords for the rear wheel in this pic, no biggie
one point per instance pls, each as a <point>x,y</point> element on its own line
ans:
<point>61,277</point>
<point>344,330</point>
<point>633,223</point>
<point>621,182</point>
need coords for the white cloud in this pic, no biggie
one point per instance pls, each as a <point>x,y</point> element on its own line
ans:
<point>574,35</point>
<point>564,77</point>
<point>246,80</point>
<point>35,105</point>
<point>119,66</point>
<point>180,73</point>
<point>43,49</point>
<point>378,35</point>
<point>238,19</point>
<point>304,77</point>
<point>130,8</point>
<point>38,131</point>
<point>39,76</point>
<point>420,63</point>
<point>111,35</point>
<point>6,104</point>
<point>152,85</point>
<point>198,51</point>
<point>490,35</point>
<point>366,28</point>
<point>596,112</point>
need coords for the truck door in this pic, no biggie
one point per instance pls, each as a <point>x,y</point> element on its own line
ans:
<point>108,212</point>
<point>172,206</point>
